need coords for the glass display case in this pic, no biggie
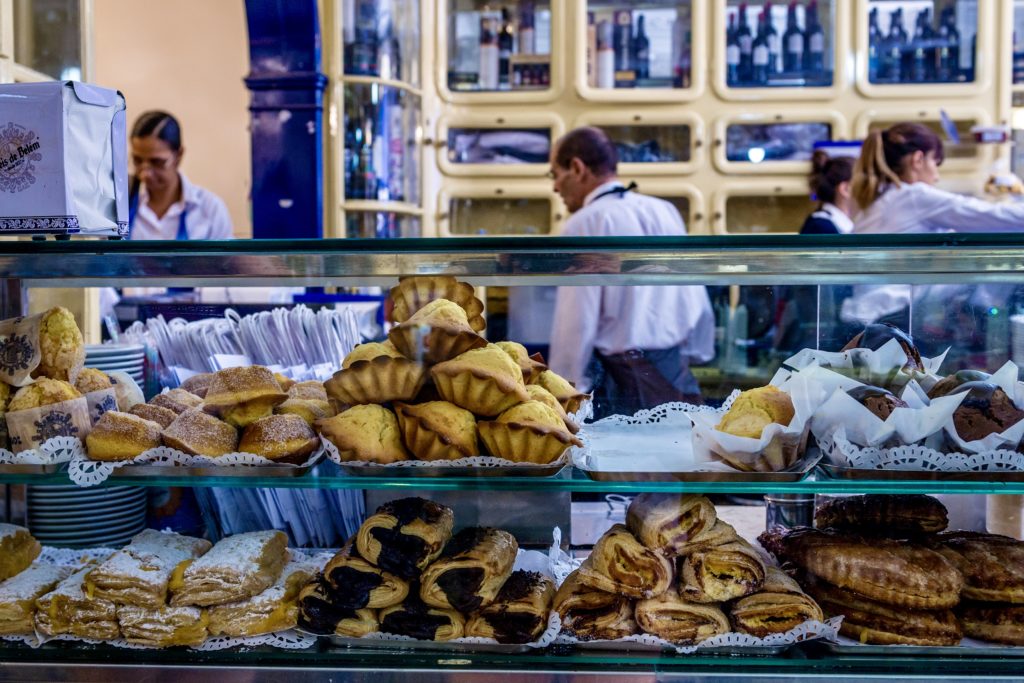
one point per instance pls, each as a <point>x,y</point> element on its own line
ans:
<point>758,207</point>
<point>498,215</point>
<point>652,142</point>
<point>473,145</point>
<point>381,149</point>
<point>381,38</point>
<point>779,143</point>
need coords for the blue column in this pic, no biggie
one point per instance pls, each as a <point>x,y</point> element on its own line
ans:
<point>286,118</point>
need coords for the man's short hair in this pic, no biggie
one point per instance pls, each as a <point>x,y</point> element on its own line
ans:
<point>592,147</point>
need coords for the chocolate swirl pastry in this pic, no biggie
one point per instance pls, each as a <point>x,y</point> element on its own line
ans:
<point>520,612</point>
<point>590,614</point>
<point>471,570</point>
<point>992,566</point>
<point>669,521</point>
<point>417,620</point>
<point>779,606</point>
<point>994,622</point>
<point>877,335</point>
<point>405,535</point>
<point>621,564</point>
<point>950,384</point>
<point>673,618</point>
<point>879,401</point>
<point>355,583</point>
<point>883,515</point>
<point>985,410</point>
<point>720,574</point>
<point>318,614</point>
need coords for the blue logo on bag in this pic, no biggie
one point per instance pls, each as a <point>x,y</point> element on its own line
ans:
<point>19,148</point>
<point>15,353</point>
<point>54,424</point>
<point>107,404</point>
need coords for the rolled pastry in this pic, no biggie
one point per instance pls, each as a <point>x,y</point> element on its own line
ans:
<point>676,620</point>
<point>17,550</point>
<point>471,570</point>
<point>779,606</point>
<point>163,627</point>
<point>721,533</point>
<point>139,573</point>
<point>883,515</point>
<point>68,609</point>
<point>994,622</point>
<point>720,574</point>
<point>275,609</point>
<point>317,614</point>
<point>417,620</point>
<point>668,521</point>
<point>405,535</point>
<point>590,614</point>
<point>355,583</point>
<point>18,596</point>
<point>237,568</point>
<point>992,566</point>
<point>520,612</point>
<point>621,564</point>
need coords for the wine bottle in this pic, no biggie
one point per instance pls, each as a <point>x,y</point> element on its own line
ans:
<point>773,42</point>
<point>623,40</point>
<point>641,51</point>
<point>364,51</point>
<point>488,78</point>
<point>948,41</point>
<point>953,38</point>
<point>527,44</point>
<point>746,41</point>
<point>681,61</point>
<point>920,49</point>
<point>605,69</point>
<point>505,39</point>
<point>814,42</point>
<point>732,53</point>
<point>902,39</point>
<point>759,75</point>
<point>874,46</point>
<point>351,154</point>
<point>792,43</point>
<point>895,43</point>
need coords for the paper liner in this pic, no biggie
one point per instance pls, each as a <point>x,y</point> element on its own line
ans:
<point>100,402</point>
<point>882,367</point>
<point>433,344</point>
<point>426,444</point>
<point>414,292</point>
<point>128,392</point>
<point>538,444</point>
<point>477,392</point>
<point>30,428</point>
<point>482,461</point>
<point>1006,379</point>
<point>53,451</point>
<point>20,353</point>
<point>379,380</point>
<point>838,450</point>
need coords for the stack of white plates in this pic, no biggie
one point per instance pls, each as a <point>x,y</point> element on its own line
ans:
<point>72,517</point>
<point>130,358</point>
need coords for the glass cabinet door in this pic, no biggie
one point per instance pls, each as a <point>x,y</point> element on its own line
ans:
<point>639,45</point>
<point>652,143</point>
<point>497,215</point>
<point>1018,42</point>
<point>762,208</point>
<point>49,37</point>
<point>381,38</point>
<point>919,42</point>
<point>381,224</point>
<point>965,155</point>
<point>498,145</point>
<point>381,152</point>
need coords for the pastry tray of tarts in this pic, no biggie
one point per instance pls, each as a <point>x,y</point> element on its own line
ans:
<point>967,647</point>
<point>841,472</point>
<point>795,473</point>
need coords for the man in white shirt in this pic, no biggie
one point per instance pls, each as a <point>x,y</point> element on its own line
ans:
<point>631,345</point>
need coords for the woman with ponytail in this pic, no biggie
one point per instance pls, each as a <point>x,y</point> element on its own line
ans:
<point>830,185</point>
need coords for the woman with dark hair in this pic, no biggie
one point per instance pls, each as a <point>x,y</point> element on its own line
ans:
<point>830,184</point>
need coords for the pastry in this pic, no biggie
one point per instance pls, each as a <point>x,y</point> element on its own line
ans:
<point>676,620</point>
<point>880,402</point>
<point>435,333</point>
<point>720,534</point>
<point>722,573</point>
<point>281,438</point>
<point>309,411</point>
<point>405,535</point>
<point>18,596</point>
<point>950,384</point>
<point>365,433</point>
<point>318,614</point>
<point>196,433</point>
<point>176,400</point>
<point>994,622</point>
<point>536,392</point>
<point>621,564</point>
<point>140,573</point>
<point>669,521</point>
<point>68,609</point>
<point>61,346</point>
<point>354,583</point>
<point>894,516</point>
<point>528,432</point>
<point>779,606</point>
<point>519,614</point>
<point>240,396</point>
<point>562,390</point>
<point>310,390</point>
<point>530,367</point>
<point>198,384</point>
<point>985,410</point>
<point>992,566</point>
<point>283,381</point>
<point>43,392</point>
<point>91,379</point>
<point>754,410</point>
<point>118,437</point>
<point>162,416</point>
<point>484,381</point>
<point>876,335</point>
<point>237,568</point>
<point>590,614</point>
<point>376,373</point>
<point>417,620</point>
<point>17,549</point>
<point>275,609</point>
<point>163,626</point>
<point>438,430</point>
<point>414,292</point>
<point>896,573</point>
<point>472,568</point>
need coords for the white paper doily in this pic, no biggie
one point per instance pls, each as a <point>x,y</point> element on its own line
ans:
<point>482,461</point>
<point>840,451</point>
<point>59,449</point>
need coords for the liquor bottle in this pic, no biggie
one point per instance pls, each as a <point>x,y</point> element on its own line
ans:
<point>365,178</point>
<point>488,78</point>
<point>947,61</point>
<point>920,48</point>
<point>351,154</point>
<point>773,42</point>
<point>605,71</point>
<point>389,64</point>
<point>505,40</point>
<point>641,51</point>
<point>746,41</point>
<point>591,51</point>
<point>814,42</point>
<point>759,75</point>
<point>894,45</point>
<point>681,60</point>
<point>622,37</point>
<point>395,146</point>
<point>875,39</point>
<point>792,43</point>
<point>732,53</point>
<point>1018,59</point>
<point>901,38</point>
<point>527,44</point>
<point>364,51</point>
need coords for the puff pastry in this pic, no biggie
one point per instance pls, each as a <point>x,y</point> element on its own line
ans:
<point>405,535</point>
<point>275,609</point>
<point>621,564</point>
<point>68,609</point>
<point>470,571</point>
<point>163,627</point>
<point>779,606</point>
<point>355,583</point>
<point>417,620</point>
<point>240,396</point>
<point>677,620</point>
<point>520,612</point>
<point>883,515</point>
<point>317,614</point>
<point>18,596</point>
<point>722,573</point>
<point>992,566</point>
<point>17,550</point>
<point>994,622</point>
<point>590,614</point>
<point>139,573</point>
<point>669,521</point>
<point>237,568</point>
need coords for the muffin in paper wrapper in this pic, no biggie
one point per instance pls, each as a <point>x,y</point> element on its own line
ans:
<point>1006,379</point>
<point>477,392</point>
<point>538,444</point>
<point>379,380</point>
<point>881,368</point>
<point>433,344</point>
<point>414,292</point>
<point>33,427</point>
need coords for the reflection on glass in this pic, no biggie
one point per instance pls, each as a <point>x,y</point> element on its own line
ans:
<point>48,37</point>
<point>910,41</point>
<point>499,47</point>
<point>771,45</point>
<point>964,150</point>
<point>755,142</point>
<point>382,38</point>
<point>499,145</point>
<point>1018,43</point>
<point>380,224</point>
<point>651,144</point>
<point>381,154</point>
<point>766,213</point>
<point>486,216</point>
<point>639,44</point>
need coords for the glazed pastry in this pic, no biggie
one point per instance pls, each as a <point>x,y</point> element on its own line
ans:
<point>992,566</point>
<point>561,389</point>
<point>68,609</point>
<point>91,379</point>
<point>669,521</point>
<point>240,396</point>
<point>722,573</point>
<point>484,381</point>
<point>438,430</point>
<point>621,564</point>
<point>899,516</point>
<point>164,626</point>
<point>590,614</point>
<point>754,410</point>
<point>198,384</point>
<point>17,550</point>
<point>892,572</point>
<point>414,292</point>
<point>779,606</point>
<point>405,535</point>
<point>139,574</point>
<point>310,390</point>
<point>720,534</point>
<point>176,400</point>
<point>61,346</point>
<point>237,568</point>
<point>43,392</point>
<point>162,416</point>
<point>435,333</point>
<point>676,620</point>
<point>118,437</point>
<point>880,402</point>
<point>309,411</point>
<point>530,367</point>
<point>417,620</point>
<point>376,373</point>
<point>985,410</point>
<point>18,596</point>
<point>196,433</point>
<point>520,612</point>
<point>281,438</point>
<point>318,614</point>
<point>876,335</point>
<point>275,609</point>
<point>528,432</point>
<point>365,433</point>
<point>470,571</point>
<point>355,583</point>
<point>950,384</point>
<point>994,622</point>
<point>538,393</point>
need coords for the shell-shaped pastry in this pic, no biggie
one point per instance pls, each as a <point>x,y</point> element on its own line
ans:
<point>366,433</point>
<point>530,367</point>
<point>378,380</point>
<point>484,381</point>
<point>438,430</point>
<point>528,432</point>
<point>435,333</point>
<point>413,293</point>
<point>562,390</point>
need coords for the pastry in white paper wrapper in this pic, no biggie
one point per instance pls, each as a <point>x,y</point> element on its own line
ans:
<point>44,410</point>
<point>45,345</point>
<point>127,391</point>
<point>983,409</point>
<point>888,366</point>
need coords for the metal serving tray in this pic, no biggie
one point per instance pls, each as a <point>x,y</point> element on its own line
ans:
<point>728,651</point>
<point>426,645</point>
<point>431,472</point>
<point>157,471</point>
<point>31,469</point>
<point>840,472</point>
<point>968,647</point>
<point>795,473</point>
